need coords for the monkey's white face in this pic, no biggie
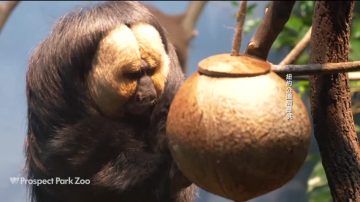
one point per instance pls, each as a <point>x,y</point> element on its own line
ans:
<point>121,54</point>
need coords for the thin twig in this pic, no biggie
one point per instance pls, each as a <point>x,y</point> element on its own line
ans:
<point>272,24</point>
<point>192,14</point>
<point>240,19</point>
<point>353,76</point>
<point>297,50</point>
<point>310,69</point>
<point>5,10</point>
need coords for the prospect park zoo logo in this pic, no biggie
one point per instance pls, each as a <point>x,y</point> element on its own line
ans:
<point>50,181</point>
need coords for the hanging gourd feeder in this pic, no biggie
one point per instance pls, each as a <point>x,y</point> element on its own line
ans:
<point>229,128</point>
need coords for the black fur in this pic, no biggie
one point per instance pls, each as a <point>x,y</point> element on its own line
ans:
<point>125,159</point>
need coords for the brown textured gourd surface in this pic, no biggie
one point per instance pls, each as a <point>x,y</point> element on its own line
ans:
<point>231,135</point>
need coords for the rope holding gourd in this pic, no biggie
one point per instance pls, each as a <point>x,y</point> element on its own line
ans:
<point>240,19</point>
<point>228,128</point>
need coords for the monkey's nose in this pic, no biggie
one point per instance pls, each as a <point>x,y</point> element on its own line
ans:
<point>142,97</point>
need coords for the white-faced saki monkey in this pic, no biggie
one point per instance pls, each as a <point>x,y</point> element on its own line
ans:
<point>98,92</point>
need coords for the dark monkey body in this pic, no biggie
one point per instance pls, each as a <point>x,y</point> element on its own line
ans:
<point>98,89</point>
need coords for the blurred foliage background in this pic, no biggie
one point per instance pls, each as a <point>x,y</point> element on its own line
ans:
<point>295,29</point>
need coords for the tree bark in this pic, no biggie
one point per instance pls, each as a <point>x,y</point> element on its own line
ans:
<point>272,24</point>
<point>5,10</point>
<point>334,127</point>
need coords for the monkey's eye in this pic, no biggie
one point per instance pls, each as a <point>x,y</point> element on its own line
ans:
<point>150,71</point>
<point>133,75</point>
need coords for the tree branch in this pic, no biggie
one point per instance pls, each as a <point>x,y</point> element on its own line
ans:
<point>311,69</point>
<point>5,10</point>
<point>334,127</point>
<point>192,14</point>
<point>297,50</point>
<point>272,24</point>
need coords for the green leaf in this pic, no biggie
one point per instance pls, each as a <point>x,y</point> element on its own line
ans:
<point>320,194</point>
<point>354,84</point>
<point>251,24</point>
<point>250,9</point>
<point>303,58</point>
<point>295,23</point>
<point>235,3</point>
<point>296,27</point>
<point>285,39</point>
<point>357,128</point>
<point>302,87</point>
<point>318,190</point>
<point>354,49</point>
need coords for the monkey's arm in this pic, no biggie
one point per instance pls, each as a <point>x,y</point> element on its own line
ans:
<point>106,152</point>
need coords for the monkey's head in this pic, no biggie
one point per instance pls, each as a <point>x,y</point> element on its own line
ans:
<point>129,70</point>
<point>113,58</point>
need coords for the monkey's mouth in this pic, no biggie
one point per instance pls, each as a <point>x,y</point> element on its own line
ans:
<point>138,108</point>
